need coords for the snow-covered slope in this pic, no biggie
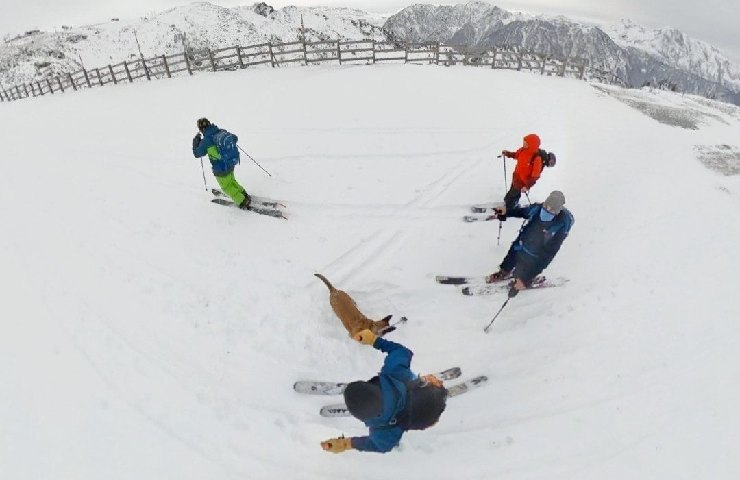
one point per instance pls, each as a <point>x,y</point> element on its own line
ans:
<point>149,334</point>
<point>197,25</point>
<point>636,55</point>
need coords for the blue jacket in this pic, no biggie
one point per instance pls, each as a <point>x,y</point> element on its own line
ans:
<point>208,146</point>
<point>538,241</point>
<point>396,371</point>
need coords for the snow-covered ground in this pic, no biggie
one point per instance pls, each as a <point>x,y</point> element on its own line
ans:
<point>150,334</point>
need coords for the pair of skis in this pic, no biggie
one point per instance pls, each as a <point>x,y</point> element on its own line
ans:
<point>479,285</point>
<point>260,205</point>
<point>337,388</point>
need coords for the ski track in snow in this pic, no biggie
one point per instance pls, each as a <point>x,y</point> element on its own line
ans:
<point>382,244</point>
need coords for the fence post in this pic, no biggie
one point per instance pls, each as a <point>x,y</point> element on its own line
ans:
<point>187,61</point>
<point>213,62</point>
<point>305,55</point>
<point>436,53</point>
<point>18,92</point>
<point>87,78</point>
<point>128,72</point>
<point>272,55</point>
<point>112,74</point>
<point>100,79</point>
<point>59,81</point>
<point>519,61</point>
<point>72,82</point>
<point>339,52</point>
<point>48,82</point>
<point>406,47</point>
<point>146,70</point>
<point>561,73</point>
<point>25,89</point>
<point>493,60</point>
<point>166,66</point>
<point>239,55</point>
<point>542,68</point>
<point>581,70</point>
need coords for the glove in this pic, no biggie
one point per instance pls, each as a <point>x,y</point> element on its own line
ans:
<point>500,214</point>
<point>366,336</point>
<point>507,153</point>
<point>196,140</point>
<point>337,445</point>
<point>515,287</point>
<point>432,380</point>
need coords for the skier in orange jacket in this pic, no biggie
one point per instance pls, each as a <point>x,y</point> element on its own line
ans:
<point>529,165</point>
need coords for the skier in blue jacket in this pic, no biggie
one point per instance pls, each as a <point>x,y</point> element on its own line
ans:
<point>546,227</point>
<point>222,162</point>
<point>391,403</point>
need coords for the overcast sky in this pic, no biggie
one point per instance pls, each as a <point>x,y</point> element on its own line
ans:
<point>714,21</point>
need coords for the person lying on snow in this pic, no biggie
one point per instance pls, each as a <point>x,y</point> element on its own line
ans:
<point>394,401</point>
<point>546,227</point>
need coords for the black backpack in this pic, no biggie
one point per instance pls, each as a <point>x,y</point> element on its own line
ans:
<point>548,159</point>
<point>424,405</point>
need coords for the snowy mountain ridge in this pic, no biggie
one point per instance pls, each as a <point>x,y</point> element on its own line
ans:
<point>36,54</point>
<point>676,49</point>
<point>635,54</point>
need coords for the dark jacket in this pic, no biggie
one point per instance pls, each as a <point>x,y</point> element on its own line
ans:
<point>538,241</point>
<point>396,372</point>
<point>208,146</point>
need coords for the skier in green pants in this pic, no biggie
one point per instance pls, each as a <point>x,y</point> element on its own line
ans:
<point>220,146</point>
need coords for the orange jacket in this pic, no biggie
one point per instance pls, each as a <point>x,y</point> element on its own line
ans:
<point>528,169</point>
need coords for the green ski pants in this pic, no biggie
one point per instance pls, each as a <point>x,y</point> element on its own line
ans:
<point>231,187</point>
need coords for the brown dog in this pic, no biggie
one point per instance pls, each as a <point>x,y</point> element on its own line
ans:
<point>353,320</point>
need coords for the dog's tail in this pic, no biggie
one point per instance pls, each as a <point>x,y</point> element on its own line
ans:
<point>326,282</point>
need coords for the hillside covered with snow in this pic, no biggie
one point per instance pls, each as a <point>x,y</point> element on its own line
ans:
<point>636,55</point>
<point>151,334</point>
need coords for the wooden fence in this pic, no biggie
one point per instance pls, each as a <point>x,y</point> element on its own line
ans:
<point>307,53</point>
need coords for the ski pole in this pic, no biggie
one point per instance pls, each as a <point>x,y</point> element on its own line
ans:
<point>255,161</point>
<point>500,222</point>
<point>496,316</point>
<point>204,173</point>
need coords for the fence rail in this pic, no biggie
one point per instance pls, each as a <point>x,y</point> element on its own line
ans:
<point>307,53</point>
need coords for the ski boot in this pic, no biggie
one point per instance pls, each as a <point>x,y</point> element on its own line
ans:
<point>499,276</point>
<point>246,202</point>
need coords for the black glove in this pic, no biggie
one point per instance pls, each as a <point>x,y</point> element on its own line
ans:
<point>513,292</point>
<point>500,215</point>
<point>196,140</point>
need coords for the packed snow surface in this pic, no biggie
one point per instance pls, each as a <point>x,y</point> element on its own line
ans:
<point>151,334</point>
